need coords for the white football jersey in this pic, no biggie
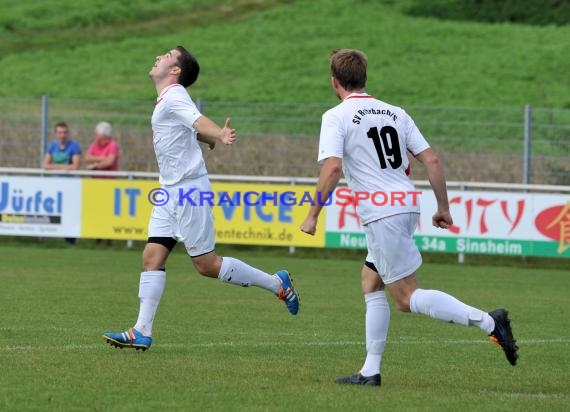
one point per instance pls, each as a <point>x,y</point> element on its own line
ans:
<point>178,153</point>
<point>372,137</point>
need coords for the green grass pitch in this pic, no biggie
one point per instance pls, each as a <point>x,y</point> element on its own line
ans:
<point>221,347</point>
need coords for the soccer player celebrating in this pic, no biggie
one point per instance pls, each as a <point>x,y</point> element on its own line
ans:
<point>177,127</point>
<point>368,139</point>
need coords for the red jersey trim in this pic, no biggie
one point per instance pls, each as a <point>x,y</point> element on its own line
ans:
<point>166,89</point>
<point>360,97</point>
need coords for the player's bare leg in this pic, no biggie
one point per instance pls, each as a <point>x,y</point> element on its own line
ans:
<point>151,287</point>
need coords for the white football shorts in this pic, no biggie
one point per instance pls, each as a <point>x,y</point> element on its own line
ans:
<point>186,217</point>
<point>391,246</point>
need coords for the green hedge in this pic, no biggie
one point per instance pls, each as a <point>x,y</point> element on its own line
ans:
<point>535,12</point>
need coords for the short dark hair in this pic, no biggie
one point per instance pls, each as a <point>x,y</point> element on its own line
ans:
<point>60,124</point>
<point>189,67</point>
<point>348,66</point>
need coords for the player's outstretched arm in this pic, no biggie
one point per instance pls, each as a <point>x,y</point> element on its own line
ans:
<point>209,132</point>
<point>442,217</point>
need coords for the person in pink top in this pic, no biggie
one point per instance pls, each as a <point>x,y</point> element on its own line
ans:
<point>103,154</point>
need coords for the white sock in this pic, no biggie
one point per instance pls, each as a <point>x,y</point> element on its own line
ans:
<point>151,287</point>
<point>440,305</point>
<point>239,273</point>
<point>377,322</point>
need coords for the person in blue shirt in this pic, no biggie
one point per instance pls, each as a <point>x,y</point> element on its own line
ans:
<point>63,153</point>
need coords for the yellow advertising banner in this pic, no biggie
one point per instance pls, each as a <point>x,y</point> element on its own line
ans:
<point>116,209</point>
<point>247,214</point>
<point>267,214</point>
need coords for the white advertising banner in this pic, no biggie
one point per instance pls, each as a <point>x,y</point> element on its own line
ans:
<point>487,222</point>
<point>36,206</point>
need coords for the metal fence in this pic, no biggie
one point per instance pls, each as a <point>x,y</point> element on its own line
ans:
<point>501,144</point>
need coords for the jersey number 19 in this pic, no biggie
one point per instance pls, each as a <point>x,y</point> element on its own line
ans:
<point>387,146</point>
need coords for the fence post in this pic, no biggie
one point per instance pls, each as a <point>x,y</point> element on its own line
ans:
<point>527,143</point>
<point>44,129</point>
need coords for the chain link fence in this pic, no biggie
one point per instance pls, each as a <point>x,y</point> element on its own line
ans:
<point>499,144</point>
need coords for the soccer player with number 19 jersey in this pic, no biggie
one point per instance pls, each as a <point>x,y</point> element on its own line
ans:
<point>368,139</point>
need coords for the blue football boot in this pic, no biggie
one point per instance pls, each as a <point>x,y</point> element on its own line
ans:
<point>287,292</point>
<point>131,338</point>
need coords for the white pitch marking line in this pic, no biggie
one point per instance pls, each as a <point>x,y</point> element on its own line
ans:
<point>523,395</point>
<point>13,348</point>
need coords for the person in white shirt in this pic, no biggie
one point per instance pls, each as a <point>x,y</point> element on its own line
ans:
<point>368,139</point>
<point>177,127</point>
